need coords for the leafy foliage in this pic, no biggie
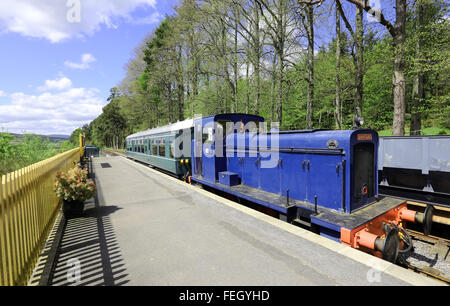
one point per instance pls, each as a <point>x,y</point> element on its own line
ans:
<point>216,56</point>
<point>15,155</point>
<point>74,185</point>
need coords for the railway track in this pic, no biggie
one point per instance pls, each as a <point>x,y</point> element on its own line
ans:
<point>430,238</point>
<point>430,256</point>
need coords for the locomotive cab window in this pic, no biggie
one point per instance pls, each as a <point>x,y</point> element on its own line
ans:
<point>224,127</point>
<point>208,136</point>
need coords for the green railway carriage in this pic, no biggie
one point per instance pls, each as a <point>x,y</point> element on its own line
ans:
<point>167,148</point>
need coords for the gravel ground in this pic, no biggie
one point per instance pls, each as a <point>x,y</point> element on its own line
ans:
<point>429,255</point>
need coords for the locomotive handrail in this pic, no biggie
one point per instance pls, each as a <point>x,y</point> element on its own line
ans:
<point>28,208</point>
<point>327,151</point>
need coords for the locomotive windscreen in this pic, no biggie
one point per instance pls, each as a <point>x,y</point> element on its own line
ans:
<point>363,163</point>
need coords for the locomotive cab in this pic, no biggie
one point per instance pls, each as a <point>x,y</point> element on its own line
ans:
<point>364,187</point>
<point>209,144</point>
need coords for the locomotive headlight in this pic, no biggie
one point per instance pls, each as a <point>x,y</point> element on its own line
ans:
<point>186,161</point>
<point>182,161</point>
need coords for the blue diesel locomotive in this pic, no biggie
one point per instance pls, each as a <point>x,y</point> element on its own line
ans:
<point>324,180</point>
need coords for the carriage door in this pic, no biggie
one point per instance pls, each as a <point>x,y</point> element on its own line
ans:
<point>198,150</point>
<point>363,174</point>
<point>208,154</point>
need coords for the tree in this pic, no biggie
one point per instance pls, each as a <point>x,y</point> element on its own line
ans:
<point>337,111</point>
<point>262,57</point>
<point>357,54</point>
<point>75,137</point>
<point>398,33</point>
<point>279,17</point>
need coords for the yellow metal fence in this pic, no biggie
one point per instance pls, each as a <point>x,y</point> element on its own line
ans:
<point>28,207</point>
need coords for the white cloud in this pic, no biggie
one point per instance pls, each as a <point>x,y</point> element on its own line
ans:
<point>2,93</point>
<point>51,113</point>
<point>150,19</point>
<point>86,59</point>
<point>50,19</point>
<point>58,84</point>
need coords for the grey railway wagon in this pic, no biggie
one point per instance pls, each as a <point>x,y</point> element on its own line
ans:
<point>415,163</point>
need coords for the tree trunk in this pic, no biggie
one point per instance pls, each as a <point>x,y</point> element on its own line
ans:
<point>257,58</point>
<point>274,77</point>
<point>337,112</point>
<point>180,83</point>
<point>310,95</point>
<point>195,85</point>
<point>359,31</point>
<point>247,87</point>
<point>399,81</point>
<point>280,43</point>
<point>235,66</point>
<point>280,93</point>
<point>169,100</point>
<point>418,93</point>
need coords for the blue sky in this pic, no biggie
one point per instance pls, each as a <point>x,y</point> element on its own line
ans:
<point>55,75</point>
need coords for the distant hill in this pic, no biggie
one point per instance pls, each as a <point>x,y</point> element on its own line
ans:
<point>53,137</point>
<point>59,136</point>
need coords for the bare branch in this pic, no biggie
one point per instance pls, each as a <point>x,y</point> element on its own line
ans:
<point>376,13</point>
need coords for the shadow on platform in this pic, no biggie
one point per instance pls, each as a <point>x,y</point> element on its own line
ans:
<point>89,253</point>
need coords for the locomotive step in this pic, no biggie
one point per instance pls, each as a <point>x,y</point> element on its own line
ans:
<point>361,216</point>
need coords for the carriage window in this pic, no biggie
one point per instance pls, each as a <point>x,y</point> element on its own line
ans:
<point>162,147</point>
<point>155,147</point>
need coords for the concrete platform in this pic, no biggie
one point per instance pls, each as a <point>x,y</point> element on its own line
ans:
<point>156,230</point>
